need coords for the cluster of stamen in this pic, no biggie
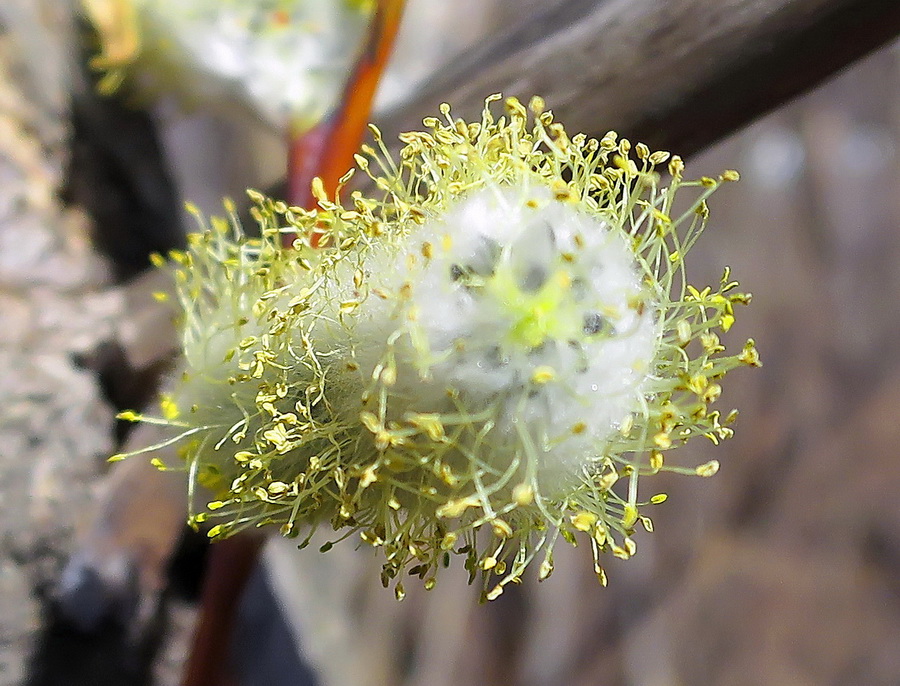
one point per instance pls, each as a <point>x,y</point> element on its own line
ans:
<point>482,356</point>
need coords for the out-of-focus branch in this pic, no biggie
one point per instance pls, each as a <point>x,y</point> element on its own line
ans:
<point>678,74</point>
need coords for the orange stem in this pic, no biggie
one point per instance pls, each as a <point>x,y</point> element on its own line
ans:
<point>327,150</point>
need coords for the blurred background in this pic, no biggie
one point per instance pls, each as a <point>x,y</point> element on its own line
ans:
<point>784,569</point>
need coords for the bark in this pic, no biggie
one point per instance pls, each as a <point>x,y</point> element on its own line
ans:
<point>677,75</point>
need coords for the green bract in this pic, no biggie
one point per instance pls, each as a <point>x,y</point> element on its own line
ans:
<point>486,353</point>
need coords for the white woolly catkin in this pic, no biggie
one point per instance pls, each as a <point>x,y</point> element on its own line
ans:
<point>474,276</point>
<point>286,59</point>
<point>467,363</point>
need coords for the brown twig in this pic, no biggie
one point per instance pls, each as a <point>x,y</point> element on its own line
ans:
<point>678,74</point>
<point>228,570</point>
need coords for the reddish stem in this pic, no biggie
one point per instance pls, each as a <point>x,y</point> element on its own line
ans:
<point>228,569</point>
<point>327,150</point>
